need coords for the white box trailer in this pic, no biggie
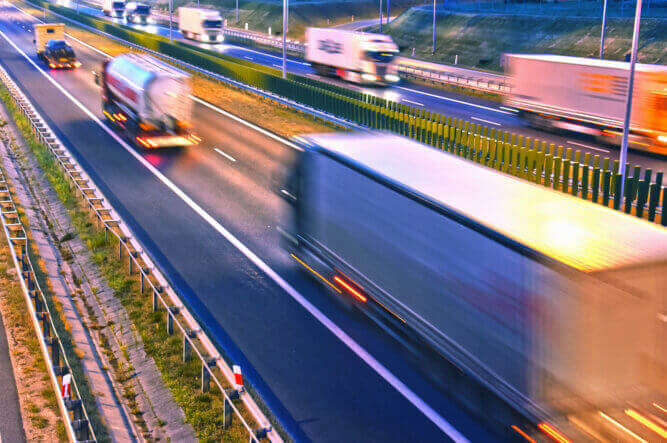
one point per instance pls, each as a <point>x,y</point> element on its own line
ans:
<point>573,91</point>
<point>203,25</point>
<point>358,57</point>
<point>550,302</point>
<point>113,8</point>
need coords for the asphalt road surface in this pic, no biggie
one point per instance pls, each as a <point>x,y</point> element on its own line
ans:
<point>208,217</point>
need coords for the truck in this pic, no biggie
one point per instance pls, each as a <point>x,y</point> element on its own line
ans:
<point>358,57</point>
<point>52,48</point>
<point>113,8</point>
<point>137,13</point>
<point>147,100</point>
<point>203,25</point>
<point>551,305</point>
<point>589,96</point>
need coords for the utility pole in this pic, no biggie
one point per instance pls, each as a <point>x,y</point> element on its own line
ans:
<point>285,30</point>
<point>433,48</point>
<point>628,102</point>
<point>604,21</point>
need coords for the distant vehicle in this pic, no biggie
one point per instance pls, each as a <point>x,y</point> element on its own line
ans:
<point>52,48</point>
<point>114,8</point>
<point>203,25</point>
<point>137,13</point>
<point>551,303</point>
<point>589,96</point>
<point>148,100</point>
<point>358,57</point>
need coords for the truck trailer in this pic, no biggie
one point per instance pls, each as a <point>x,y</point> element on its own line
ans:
<point>148,100</point>
<point>52,48</point>
<point>137,13</point>
<point>203,25</point>
<point>358,57</point>
<point>589,96</point>
<point>550,303</point>
<point>114,8</point>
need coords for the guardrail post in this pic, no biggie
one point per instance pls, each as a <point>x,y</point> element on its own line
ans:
<point>187,346</point>
<point>120,249</point>
<point>155,300</point>
<point>206,375</point>
<point>55,350</point>
<point>173,310</point>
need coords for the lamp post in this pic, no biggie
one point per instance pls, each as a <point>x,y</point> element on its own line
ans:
<point>380,16</point>
<point>237,11</point>
<point>604,21</point>
<point>170,21</point>
<point>285,30</point>
<point>433,48</point>
<point>628,102</point>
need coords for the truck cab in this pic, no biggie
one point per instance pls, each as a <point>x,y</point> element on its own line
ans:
<point>137,13</point>
<point>203,25</point>
<point>114,8</point>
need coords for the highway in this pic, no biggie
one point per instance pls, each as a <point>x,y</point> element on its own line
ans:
<point>208,217</point>
<point>457,105</point>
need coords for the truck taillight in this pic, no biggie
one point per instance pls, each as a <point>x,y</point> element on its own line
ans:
<point>350,289</point>
<point>52,66</point>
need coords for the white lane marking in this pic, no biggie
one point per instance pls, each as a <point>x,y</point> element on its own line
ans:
<point>224,154</point>
<point>410,101</point>
<point>249,58</point>
<point>277,66</point>
<point>453,100</point>
<point>587,147</point>
<point>364,355</point>
<point>485,121</point>
<point>509,109</point>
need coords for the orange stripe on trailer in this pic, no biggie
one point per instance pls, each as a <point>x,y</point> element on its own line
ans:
<point>523,434</point>
<point>315,272</point>
<point>553,433</point>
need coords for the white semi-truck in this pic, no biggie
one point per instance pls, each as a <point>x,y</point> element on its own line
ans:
<point>553,304</point>
<point>137,13</point>
<point>589,96</point>
<point>358,57</point>
<point>203,25</point>
<point>148,100</point>
<point>113,8</point>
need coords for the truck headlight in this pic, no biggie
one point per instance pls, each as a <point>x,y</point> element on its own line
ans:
<point>392,78</point>
<point>662,138</point>
<point>369,77</point>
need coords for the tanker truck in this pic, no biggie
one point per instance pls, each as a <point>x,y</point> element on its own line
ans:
<point>358,57</point>
<point>147,100</point>
<point>589,96</point>
<point>546,307</point>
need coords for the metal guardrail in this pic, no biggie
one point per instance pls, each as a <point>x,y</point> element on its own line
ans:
<point>151,280</point>
<point>73,410</point>
<point>452,75</point>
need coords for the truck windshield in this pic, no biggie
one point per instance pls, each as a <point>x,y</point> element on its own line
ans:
<point>143,9</point>
<point>379,56</point>
<point>118,5</point>
<point>212,23</point>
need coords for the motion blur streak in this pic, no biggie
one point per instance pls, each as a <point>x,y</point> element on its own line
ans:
<point>350,289</point>
<point>621,427</point>
<point>341,335</point>
<point>646,422</point>
<point>316,273</point>
<point>552,432</point>
<point>660,407</point>
<point>523,434</point>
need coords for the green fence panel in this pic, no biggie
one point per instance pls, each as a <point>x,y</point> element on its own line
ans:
<point>653,200</point>
<point>575,179</point>
<point>595,186</point>
<point>606,187</point>
<point>585,175</point>
<point>617,191</point>
<point>558,164</point>
<point>565,183</point>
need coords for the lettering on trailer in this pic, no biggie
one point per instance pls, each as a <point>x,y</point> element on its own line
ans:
<point>122,88</point>
<point>603,83</point>
<point>330,46</point>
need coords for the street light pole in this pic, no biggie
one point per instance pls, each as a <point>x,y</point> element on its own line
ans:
<point>380,16</point>
<point>604,21</point>
<point>170,21</point>
<point>237,11</point>
<point>387,12</point>
<point>433,48</point>
<point>285,30</point>
<point>628,102</point>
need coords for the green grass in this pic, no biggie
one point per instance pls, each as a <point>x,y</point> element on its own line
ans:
<point>479,40</point>
<point>204,411</point>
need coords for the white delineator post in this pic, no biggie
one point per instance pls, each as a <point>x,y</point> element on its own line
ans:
<point>67,383</point>
<point>238,377</point>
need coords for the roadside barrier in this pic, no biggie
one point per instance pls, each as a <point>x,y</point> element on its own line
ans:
<point>71,405</point>
<point>523,157</point>
<point>214,368</point>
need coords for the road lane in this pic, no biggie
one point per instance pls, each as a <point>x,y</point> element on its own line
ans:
<point>315,384</point>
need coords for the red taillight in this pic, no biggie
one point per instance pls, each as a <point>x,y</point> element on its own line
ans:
<point>52,65</point>
<point>143,142</point>
<point>151,142</point>
<point>553,433</point>
<point>60,65</point>
<point>350,289</point>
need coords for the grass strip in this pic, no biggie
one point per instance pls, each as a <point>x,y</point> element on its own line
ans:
<point>204,411</point>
